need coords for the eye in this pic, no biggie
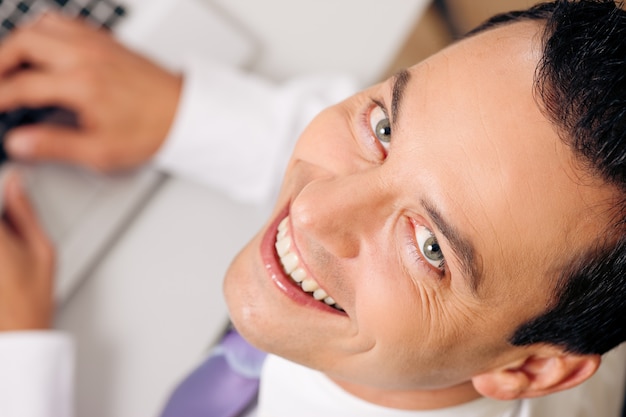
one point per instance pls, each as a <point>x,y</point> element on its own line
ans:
<point>380,125</point>
<point>429,247</point>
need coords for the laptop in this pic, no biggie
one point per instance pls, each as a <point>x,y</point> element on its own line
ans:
<point>82,211</point>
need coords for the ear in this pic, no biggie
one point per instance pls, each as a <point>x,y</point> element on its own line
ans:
<point>548,369</point>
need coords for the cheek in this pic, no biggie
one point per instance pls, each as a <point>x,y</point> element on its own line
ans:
<point>423,341</point>
<point>422,322</point>
<point>392,309</point>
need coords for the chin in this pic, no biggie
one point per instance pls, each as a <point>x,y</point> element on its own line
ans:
<point>247,292</point>
<point>241,294</point>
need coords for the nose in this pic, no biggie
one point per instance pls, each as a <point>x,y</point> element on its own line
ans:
<point>341,213</point>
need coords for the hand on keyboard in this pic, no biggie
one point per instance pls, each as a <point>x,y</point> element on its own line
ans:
<point>124,103</point>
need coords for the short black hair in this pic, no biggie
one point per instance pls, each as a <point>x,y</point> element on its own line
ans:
<point>581,83</point>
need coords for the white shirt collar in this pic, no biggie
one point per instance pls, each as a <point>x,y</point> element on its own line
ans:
<point>288,389</point>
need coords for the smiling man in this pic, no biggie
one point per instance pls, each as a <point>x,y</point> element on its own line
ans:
<point>457,230</point>
<point>451,236</point>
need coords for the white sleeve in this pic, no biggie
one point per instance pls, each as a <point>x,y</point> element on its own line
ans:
<point>36,374</point>
<point>235,130</point>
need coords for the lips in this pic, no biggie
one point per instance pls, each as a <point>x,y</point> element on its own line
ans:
<point>288,273</point>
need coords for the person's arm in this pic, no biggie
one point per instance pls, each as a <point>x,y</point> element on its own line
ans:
<point>37,374</point>
<point>36,364</point>
<point>232,129</point>
<point>235,130</point>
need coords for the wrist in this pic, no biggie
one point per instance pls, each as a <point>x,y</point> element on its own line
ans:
<point>166,110</point>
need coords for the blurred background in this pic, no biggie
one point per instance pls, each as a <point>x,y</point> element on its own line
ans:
<point>442,22</point>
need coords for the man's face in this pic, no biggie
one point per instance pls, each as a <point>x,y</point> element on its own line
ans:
<point>435,209</point>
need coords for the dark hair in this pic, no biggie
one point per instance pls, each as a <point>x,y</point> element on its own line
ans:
<point>581,83</point>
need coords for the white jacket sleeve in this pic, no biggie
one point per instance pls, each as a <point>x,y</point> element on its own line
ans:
<point>36,374</point>
<point>235,130</point>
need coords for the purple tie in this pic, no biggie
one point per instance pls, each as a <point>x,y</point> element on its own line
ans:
<point>224,385</point>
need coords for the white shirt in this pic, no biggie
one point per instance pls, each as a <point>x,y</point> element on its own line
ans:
<point>288,390</point>
<point>242,152</point>
<point>36,374</point>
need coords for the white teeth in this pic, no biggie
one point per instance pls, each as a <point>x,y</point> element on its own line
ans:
<point>283,245</point>
<point>282,234</point>
<point>298,275</point>
<point>282,226</point>
<point>290,263</point>
<point>309,285</point>
<point>319,294</point>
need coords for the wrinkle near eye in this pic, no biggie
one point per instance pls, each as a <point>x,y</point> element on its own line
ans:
<point>432,311</point>
<point>448,317</point>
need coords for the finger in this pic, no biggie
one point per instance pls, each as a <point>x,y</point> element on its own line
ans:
<point>29,45</point>
<point>22,215</point>
<point>6,230</point>
<point>50,142</point>
<point>38,89</point>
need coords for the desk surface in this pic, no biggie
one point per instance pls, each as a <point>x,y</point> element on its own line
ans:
<point>159,286</point>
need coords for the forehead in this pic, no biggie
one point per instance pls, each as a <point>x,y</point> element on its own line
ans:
<point>491,161</point>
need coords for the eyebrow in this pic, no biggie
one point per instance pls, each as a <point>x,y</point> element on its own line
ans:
<point>461,246</point>
<point>400,82</point>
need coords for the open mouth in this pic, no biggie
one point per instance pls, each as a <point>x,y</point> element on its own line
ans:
<point>292,267</point>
